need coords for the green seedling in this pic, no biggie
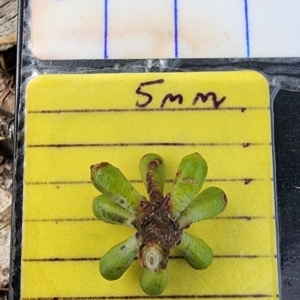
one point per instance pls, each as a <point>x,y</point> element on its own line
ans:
<point>159,221</point>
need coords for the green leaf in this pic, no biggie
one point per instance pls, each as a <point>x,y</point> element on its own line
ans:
<point>152,169</point>
<point>153,283</point>
<point>189,179</point>
<point>206,205</point>
<point>195,251</point>
<point>118,259</point>
<point>110,181</point>
<point>110,212</point>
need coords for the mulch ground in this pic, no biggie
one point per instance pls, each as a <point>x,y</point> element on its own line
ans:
<point>7,105</point>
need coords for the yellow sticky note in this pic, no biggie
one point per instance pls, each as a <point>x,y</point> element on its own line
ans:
<point>74,121</point>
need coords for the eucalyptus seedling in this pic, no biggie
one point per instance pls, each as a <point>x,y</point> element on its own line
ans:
<point>159,221</point>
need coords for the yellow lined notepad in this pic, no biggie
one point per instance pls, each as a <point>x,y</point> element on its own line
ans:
<point>74,121</point>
